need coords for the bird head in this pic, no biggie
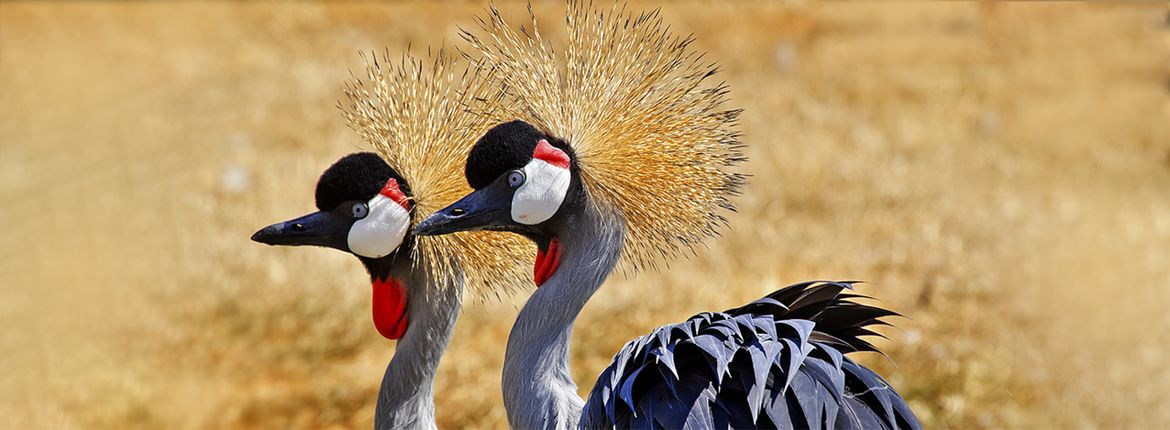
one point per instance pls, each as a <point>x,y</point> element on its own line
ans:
<point>364,209</point>
<point>524,181</point>
<point>414,114</point>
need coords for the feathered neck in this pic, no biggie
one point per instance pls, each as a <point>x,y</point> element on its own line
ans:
<point>539,391</point>
<point>406,396</point>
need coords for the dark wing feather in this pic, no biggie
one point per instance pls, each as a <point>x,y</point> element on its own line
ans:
<point>778,362</point>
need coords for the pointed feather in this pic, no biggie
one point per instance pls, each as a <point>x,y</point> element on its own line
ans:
<point>874,387</point>
<point>627,389</point>
<point>755,393</point>
<point>666,357</point>
<point>699,417</point>
<point>714,349</point>
<point>807,397</point>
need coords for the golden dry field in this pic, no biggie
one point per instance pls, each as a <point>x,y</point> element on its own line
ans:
<point>999,172</point>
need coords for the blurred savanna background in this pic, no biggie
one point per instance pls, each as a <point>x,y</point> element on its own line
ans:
<point>999,172</point>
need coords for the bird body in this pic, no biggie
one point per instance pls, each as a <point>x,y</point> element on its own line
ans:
<point>650,152</point>
<point>778,362</point>
<point>774,363</point>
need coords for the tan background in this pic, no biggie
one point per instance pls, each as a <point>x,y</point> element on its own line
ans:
<point>1000,172</point>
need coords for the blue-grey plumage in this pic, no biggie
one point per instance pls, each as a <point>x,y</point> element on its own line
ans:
<point>778,362</point>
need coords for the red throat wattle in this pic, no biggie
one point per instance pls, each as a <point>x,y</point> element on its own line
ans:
<point>390,307</point>
<point>547,262</point>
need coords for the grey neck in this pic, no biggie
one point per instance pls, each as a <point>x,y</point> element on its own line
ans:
<point>538,388</point>
<point>407,396</point>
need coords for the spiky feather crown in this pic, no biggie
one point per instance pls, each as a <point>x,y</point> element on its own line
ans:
<point>652,137</point>
<point>417,118</point>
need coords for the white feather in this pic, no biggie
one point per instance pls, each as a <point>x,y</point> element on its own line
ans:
<point>541,194</point>
<point>380,232</point>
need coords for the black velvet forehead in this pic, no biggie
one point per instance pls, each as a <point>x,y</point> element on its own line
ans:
<point>505,147</point>
<point>358,176</point>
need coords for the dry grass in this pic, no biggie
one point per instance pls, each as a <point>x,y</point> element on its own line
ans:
<point>1000,172</point>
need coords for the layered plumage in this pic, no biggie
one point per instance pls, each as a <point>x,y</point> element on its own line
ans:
<point>651,132</point>
<point>418,118</point>
<point>777,362</point>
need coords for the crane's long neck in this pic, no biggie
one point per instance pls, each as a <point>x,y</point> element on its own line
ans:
<point>406,398</point>
<point>538,388</point>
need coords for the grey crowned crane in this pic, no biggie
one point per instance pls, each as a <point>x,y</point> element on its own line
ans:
<point>618,153</point>
<point>369,202</point>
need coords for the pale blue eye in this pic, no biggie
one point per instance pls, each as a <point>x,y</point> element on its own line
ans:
<point>516,178</point>
<point>359,210</point>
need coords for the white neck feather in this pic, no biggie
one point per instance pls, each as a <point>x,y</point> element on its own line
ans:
<point>406,398</point>
<point>538,388</point>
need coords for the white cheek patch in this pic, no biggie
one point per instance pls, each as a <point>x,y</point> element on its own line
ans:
<point>542,193</point>
<point>381,231</point>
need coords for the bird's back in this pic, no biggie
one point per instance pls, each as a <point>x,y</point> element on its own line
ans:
<point>777,362</point>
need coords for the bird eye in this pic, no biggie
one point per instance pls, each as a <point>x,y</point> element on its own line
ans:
<point>359,210</point>
<point>516,179</point>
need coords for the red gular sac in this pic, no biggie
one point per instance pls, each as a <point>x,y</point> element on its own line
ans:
<point>390,307</point>
<point>392,192</point>
<point>547,262</point>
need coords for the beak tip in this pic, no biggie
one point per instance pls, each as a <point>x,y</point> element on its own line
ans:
<point>437,224</point>
<point>262,236</point>
<point>425,228</point>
